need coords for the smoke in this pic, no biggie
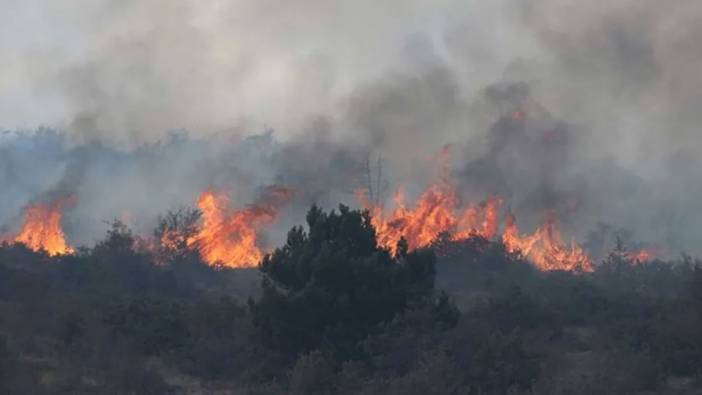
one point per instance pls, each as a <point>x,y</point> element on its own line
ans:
<point>136,185</point>
<point>340,82</point>
<point>130,70</point>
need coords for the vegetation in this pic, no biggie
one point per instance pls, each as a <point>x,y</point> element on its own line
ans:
<point>331,312</point>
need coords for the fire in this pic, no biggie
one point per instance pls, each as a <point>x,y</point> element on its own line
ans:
<point>41,230</point>
<point>641,255</point>
<point>515,242</point>
<point>545,247</point>
<point>229,238</point>
<point>437,210</point>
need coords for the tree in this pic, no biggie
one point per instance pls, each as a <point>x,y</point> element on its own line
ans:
<point>115,263</point>
<point>173,231</point>
<point>118,243</point>
<point>332,286</point>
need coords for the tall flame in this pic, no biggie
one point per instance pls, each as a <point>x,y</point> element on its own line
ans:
<point>41,230</point>
<point>229,238</point>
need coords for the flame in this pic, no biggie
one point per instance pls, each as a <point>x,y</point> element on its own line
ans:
<point>642,255</point>
<point>170,240</point>
<point>41,230</point>
<point>545,247</point>
<point>439,210</point>
<point>515,242</point>
<point>436,211</point>
<point>229,238</point>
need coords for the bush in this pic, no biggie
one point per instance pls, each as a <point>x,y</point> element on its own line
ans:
<point>332,286</point>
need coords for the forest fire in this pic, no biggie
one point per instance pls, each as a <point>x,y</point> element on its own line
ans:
<point>439,210</point>
<point>436,211</point>
<point>545,247</point>
<point>229,238</point>
<point>41,230</point>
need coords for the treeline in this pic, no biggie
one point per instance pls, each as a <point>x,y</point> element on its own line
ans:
<point>331,312</point>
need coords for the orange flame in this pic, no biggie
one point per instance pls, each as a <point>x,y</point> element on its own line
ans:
<point>545,248</point>
<point>41,230</point>
<point>230,238</point>
<point>436,211</point>
<point>642,255</point>
<point>439,210</point>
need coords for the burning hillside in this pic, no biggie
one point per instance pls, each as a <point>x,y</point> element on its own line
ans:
<point>354,197</point>
<point>224,235</point>
<point>527,171</point>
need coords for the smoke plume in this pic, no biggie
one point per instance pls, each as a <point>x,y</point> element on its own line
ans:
<point>588,109</point>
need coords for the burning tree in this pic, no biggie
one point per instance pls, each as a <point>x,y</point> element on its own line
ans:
<point>173,232</point>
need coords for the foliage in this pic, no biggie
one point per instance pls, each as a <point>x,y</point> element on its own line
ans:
<point>334,313</point>
<point>332,286</point>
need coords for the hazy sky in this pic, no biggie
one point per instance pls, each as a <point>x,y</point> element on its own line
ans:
<point>127,67</point>
<point>132,69</point>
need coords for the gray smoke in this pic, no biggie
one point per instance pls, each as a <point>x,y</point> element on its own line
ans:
<point>342,81</point>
